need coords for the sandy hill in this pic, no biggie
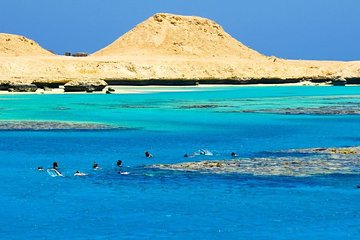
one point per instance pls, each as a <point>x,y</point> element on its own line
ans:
<point>165,49</point>
<point>12,45</point>
<point>183,36</point>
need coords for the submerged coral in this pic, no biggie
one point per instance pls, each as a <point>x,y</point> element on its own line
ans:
<point>323,110</point>
<point>52,125</point>
<point>319,161</point>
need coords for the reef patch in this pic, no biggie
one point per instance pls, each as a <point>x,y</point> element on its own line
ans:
<point>54,125</point>
<point>319,161</point>
<point>323,110</point>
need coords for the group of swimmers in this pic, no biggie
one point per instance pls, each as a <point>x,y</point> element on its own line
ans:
<point>95,166</point>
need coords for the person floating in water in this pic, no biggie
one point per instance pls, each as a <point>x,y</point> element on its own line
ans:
<point>119,163</point>
<point>40,168</point>
<point>205,152</point>
<point>55,165</point>
<point>95,166</point>
<point>56,169</point>
<point>233,154</point>
<point>148,155</point>
<point>186,156</point>
<point>79,174</point>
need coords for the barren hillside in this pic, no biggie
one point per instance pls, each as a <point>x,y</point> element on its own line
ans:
<point>182,36</point>
<point>12,45</point>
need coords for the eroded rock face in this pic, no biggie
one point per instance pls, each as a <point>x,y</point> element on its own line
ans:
<point>339,81</point>
<point>22,88</point>
<point>317,161</point>
<point>17,86</point>
<point>85,86</point>
<point>4,85</point>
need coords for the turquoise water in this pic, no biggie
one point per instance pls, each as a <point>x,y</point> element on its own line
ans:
<point>151,204</point>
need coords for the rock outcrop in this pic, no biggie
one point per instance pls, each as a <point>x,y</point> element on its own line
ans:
<point>17,86</point>
<point>85,85</point>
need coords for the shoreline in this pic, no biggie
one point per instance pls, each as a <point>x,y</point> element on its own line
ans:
<point>148,89</point>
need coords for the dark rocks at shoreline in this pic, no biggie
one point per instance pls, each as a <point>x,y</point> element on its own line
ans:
<point>22,88</point>
<point>17,86</point>
<point>53,125</point>
<point>110,90</point>
<point>48,86</point>
<point>85,86</point>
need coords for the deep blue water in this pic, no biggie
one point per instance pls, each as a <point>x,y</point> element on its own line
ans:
<point>150,204</point>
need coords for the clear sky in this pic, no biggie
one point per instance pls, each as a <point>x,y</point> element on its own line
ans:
<point>295,29</point>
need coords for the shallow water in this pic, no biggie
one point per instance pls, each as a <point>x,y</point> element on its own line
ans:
<point>175,205</point>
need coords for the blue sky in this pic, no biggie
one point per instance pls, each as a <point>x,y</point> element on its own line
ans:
<point>294,29</point>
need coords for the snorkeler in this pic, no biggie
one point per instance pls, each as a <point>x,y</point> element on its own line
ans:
<point>55,165</point>
<point>233,154</point>
<point>56,169</point>
<point>205,152</point>
<point>79,174</point>
<point>95,166</point>
<point>40,168</point>
<point>148,155</point>
<point>119,163</point>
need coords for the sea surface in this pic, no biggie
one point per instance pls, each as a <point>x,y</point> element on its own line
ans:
<point>145,203</point>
